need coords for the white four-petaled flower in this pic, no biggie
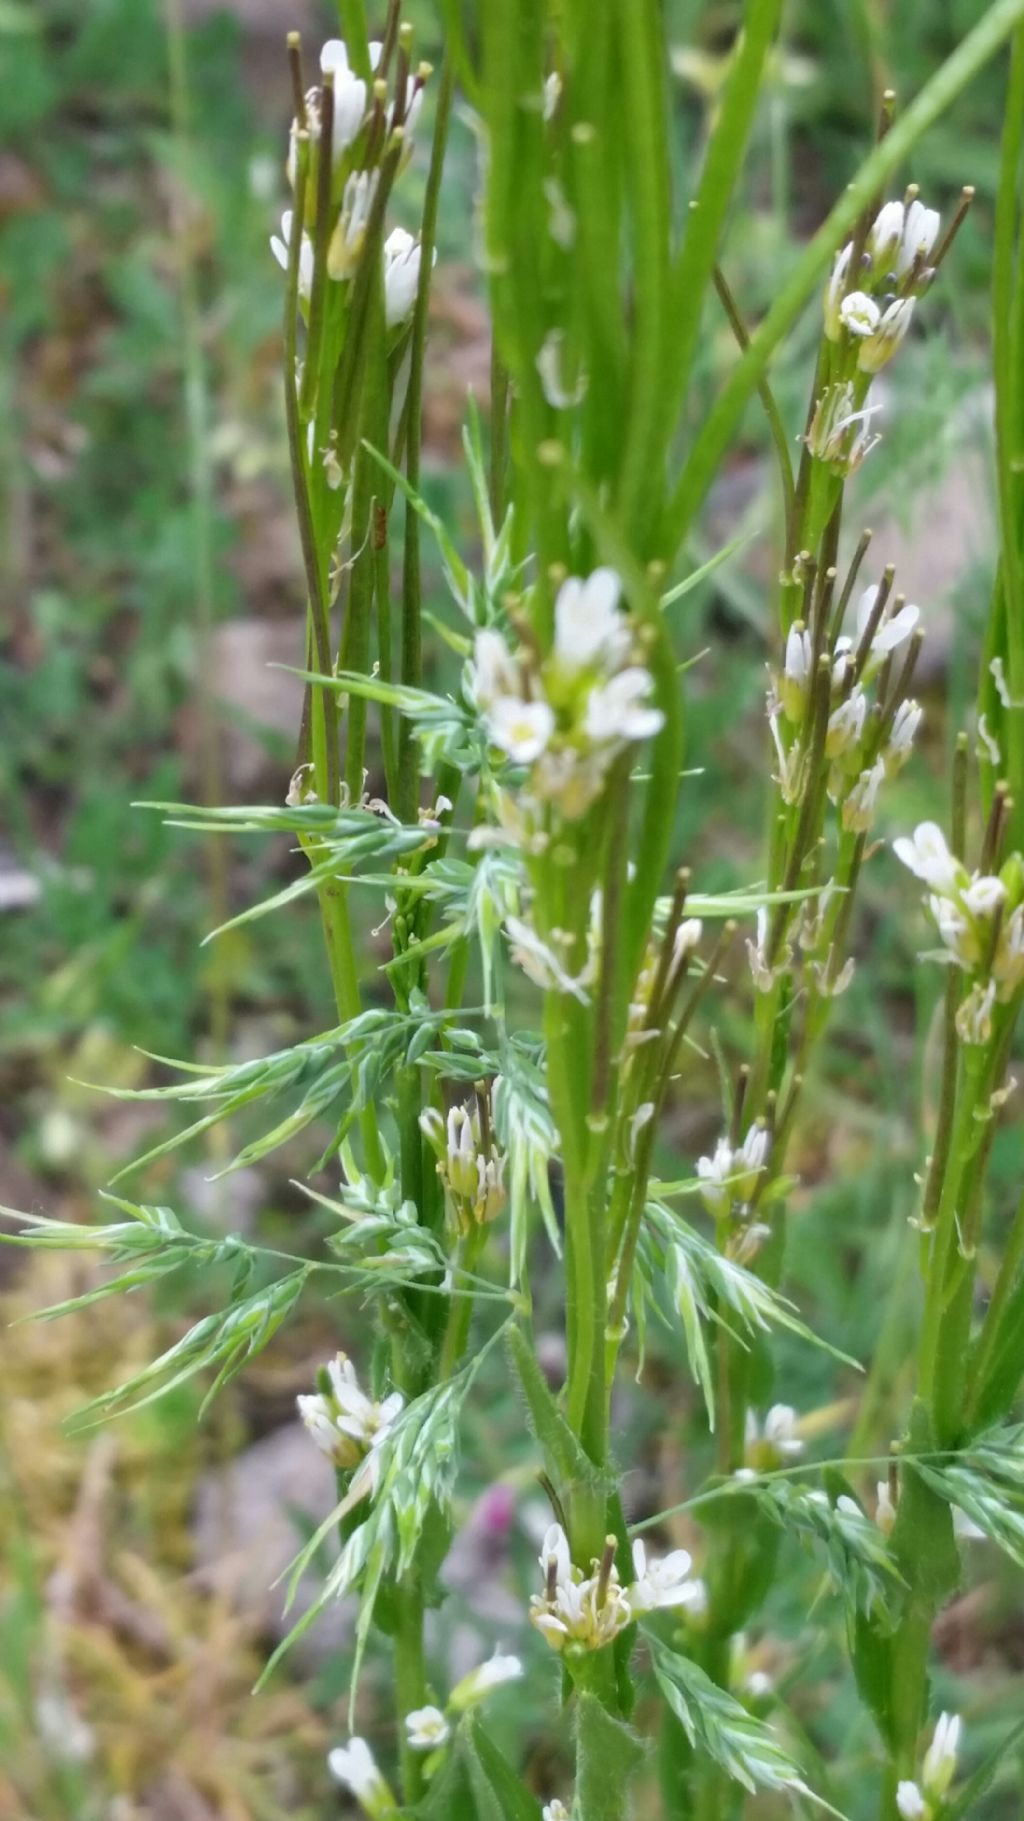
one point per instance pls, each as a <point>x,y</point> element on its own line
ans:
<point>859,313</point>
<point>620,710</point>
<point>590,631</point>
<point>521,729</point>
<point>927,854</point>
<point>664,1582</point>
<point>426,1728</point>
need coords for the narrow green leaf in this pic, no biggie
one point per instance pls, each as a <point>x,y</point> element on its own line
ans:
<point>499,1792</point>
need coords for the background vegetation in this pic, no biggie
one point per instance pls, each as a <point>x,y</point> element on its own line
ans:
<point>149,573</point>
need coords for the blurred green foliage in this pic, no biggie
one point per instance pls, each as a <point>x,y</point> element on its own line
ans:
<point>98,655</point>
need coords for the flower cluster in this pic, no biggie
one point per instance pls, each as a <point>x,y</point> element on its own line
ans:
<point>568,716</point>
<point>823,712</point>
<point>869,305</point>
<point>729,1177</point>
<point>363,125</point>
<point>346,1425</point>
<point>469,1162</point>
<point>578,1612</point>
<point>980,919</point>
<point>921,1801</point>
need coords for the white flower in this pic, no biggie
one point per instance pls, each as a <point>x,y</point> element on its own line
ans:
<point>780,1430</point>
<point>886,236</point>
<point>910,1801</point>
<point>349,237</point>
<point>955,930</point>
<point>983,896</point>
<point>928,857</point>
<point>834,292</point>
<point>493,671</point>
<point>551,367</point>
<point>878,349</point>
<point>889,634</point>
<point>354,1766</point>
<point>775,1440</point>
<point>349,95</point>
<point>346,1424</point>
<point>764,973</point>
<point>859,313</point>
<point>619,709</point>
<point>940,1758</point>
<point>974,1017</point>
<point>554,1811</point>
<point>552,94</point>
<point>1008,965</point>
<point>920,232</point>
<point>687,937</point>
<point>846,725</point>
<point>539,961</point>
<point>790,775</point>
<point>840,434</point>
<point>426,1728</point>
<point>795,681</point>
<point>859,804</point>
<point>750,1157</point>
<point>571,780</point>
<point>521,729</point>
<point>902,734</point>
<point>586,1611</point>
<point>964,1527</point>
<point>714,1173</point>
<point>402,254</point>
<point>461,1151</point>
<point>590,632</point>
<point>662,1583</point>
<point>493,1674</point>
<point>885,1510</point>
<point>281,247</point>
<point>758,1685</point>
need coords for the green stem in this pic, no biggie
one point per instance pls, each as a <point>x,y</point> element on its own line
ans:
<point>460,1313</point>
<point>410,1681</point>
<point>973,1077</point>
<point>412,652</point>
<point>1008,373</point>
